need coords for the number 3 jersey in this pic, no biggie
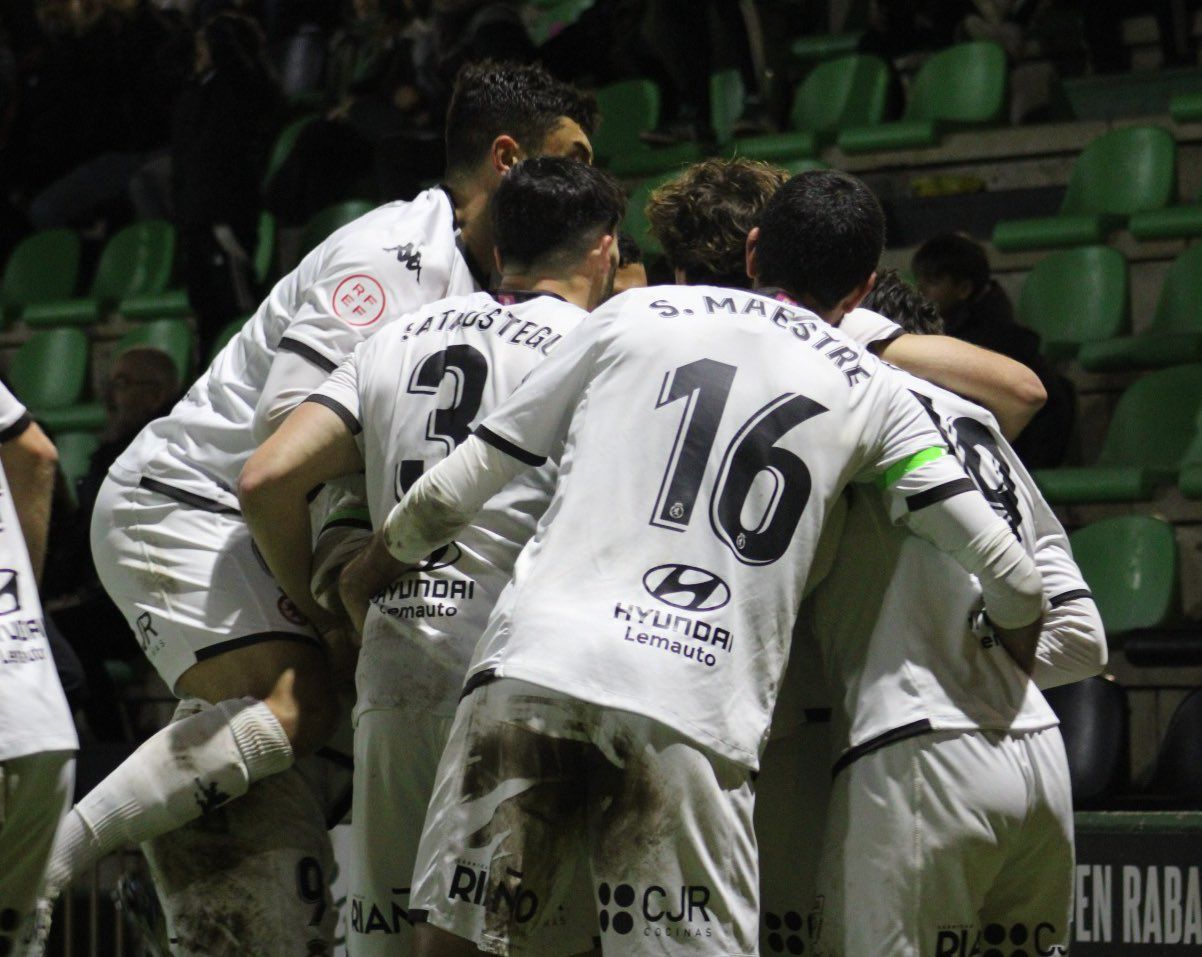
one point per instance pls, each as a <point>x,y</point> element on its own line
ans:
<point>411,394</point>
<point>702,435</point>
<point>34,716</point>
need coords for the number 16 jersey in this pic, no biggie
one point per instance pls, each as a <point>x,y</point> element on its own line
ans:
<point>702,435</point>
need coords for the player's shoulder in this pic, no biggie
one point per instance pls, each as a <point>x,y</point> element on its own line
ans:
<point>947,403</point>
<point>866,327</point>
<point>548,309</point>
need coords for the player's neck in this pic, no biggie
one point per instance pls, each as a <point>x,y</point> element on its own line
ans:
<point>573,289</point>
<point>470,199</point>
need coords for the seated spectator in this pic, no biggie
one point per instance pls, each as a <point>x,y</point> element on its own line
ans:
<point>953,272</point>
<point>142,386</point>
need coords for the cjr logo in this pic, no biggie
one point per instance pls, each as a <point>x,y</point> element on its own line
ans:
<point>687,587</point>
<point>784,932</point>
<point>663,910</point>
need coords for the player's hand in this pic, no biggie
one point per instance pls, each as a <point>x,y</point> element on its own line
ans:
<point>1020,643</point>
<point>365,575</point>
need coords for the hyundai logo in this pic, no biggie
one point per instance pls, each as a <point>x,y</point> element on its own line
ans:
<point>687,587</point>
<point>443,557</point>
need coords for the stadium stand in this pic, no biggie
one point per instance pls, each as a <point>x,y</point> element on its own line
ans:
<point>43,268</point>
<point>1124,172</point>
<point>1140,591</point>
<point>959,88</point>
<point>74,455</point>
<point>1173,336</point>
<point>1095,722</point>
<point>1145,443</point>
<point>1076,296</point>
<point>137,263</point>
<point>1172,222</point>
<point>49,372</point>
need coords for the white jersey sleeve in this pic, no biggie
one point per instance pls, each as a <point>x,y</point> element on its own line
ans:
<point>869,329</point>
<point>14,419</point>
<point>340,394</point>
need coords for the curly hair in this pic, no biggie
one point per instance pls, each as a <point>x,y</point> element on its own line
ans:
<point>896,299</point>
<point>522,100</point>
<point>703,216</point>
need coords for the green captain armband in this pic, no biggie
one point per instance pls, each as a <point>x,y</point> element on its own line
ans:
<point>898,470</point>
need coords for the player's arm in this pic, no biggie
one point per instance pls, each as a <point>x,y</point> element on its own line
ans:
<point>437,508</point>
<point>295,374</point>
<point>314,445</point>
<point>1008,389</point>
<point>30,461</point>
<point>1072,644</point>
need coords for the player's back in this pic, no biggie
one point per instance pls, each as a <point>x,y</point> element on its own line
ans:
<point>898,621</point>
<point>366,274</point>
<point>705,433</point>
<point>422,385</point>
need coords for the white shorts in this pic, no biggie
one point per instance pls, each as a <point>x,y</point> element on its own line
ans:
<point>35,791</point>
<point>537,789</point>
<point>396,756</point>
<point>791,795</point>
<point>187,578</point>
<point>949,844</point>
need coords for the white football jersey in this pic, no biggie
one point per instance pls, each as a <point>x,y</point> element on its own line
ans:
<point>385,264</point>
<point>411,395</point>
<point>899,622</point>
<point>702,435</point>
<point>34,716</point>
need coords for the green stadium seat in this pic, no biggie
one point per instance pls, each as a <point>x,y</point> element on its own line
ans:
<point>48,373</point>
<point>1172,222</point>
<point>1186,108</point>
<point>1121,173</point>
<point>1130,565</point>
<point>136,261</point>
<point>281,149</point>
<point>43,268</point>
<point>962,87</point>
<point>1175,333</point>
<point>174,336</point>
<point>1190,480</point>
<point>1145,444</point>
<point>848,91</point>
<point>329,220</point>
<point>628,109</point>
<point>1076,296</point>
<point>804,165</point>
<point>75,455</point>
<point>824,46</point>
<point>728,98</point>
<point>635,222</point>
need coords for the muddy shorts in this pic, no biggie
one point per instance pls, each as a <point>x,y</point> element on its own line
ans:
<point>550,811</point>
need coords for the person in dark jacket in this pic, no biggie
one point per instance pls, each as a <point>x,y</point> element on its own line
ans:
<point>953,272</point>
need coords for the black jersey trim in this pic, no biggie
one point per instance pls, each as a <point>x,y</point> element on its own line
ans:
<point>340,808</point>
<point>184,497</point>
<point>478,681</point>
<point>911,730</point>
<point>352,424</point>
<point>1065,597</point>
<point>17,429</point>
<point>418,915</point>
<point>878,345</point>
<point>307,353</point>
<point>203,654</point>
<point>939,493</point>
<point>523,295</point>
<point>504,445</point>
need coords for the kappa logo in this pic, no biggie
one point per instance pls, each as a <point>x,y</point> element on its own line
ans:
<point>10,595</point>
<point>687,587</point>
<point>209,796</point>
<point>408,255</point>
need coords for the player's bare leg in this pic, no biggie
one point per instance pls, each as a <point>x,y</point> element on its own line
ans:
<point>269,703</point>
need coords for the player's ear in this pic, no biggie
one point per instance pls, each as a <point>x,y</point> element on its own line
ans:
<point>856,296</point>
<point>504,154</point>
<point>752,255</point>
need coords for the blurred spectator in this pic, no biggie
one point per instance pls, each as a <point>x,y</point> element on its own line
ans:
<point>631,273</point>
<point>1103,22</point>
<point>953,272</point>
<point>899,27</point>
<point>223,128</point>
<point>896,299</point>
<point>113,69</point>
<point>141,386</point>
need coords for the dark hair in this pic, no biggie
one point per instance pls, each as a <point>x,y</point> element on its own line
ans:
<point>629,251</point>
<point>549,210</point>
<point>896,299</point>
<point>521,100</point>
<point>703,216</point>
<point>821,236</point>
<point>235,42</point>
<point>953,256</point>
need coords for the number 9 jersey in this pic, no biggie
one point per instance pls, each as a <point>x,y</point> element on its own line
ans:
<point>702,435</point>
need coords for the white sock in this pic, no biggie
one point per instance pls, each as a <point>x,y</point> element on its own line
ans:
<point>193,765</point>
